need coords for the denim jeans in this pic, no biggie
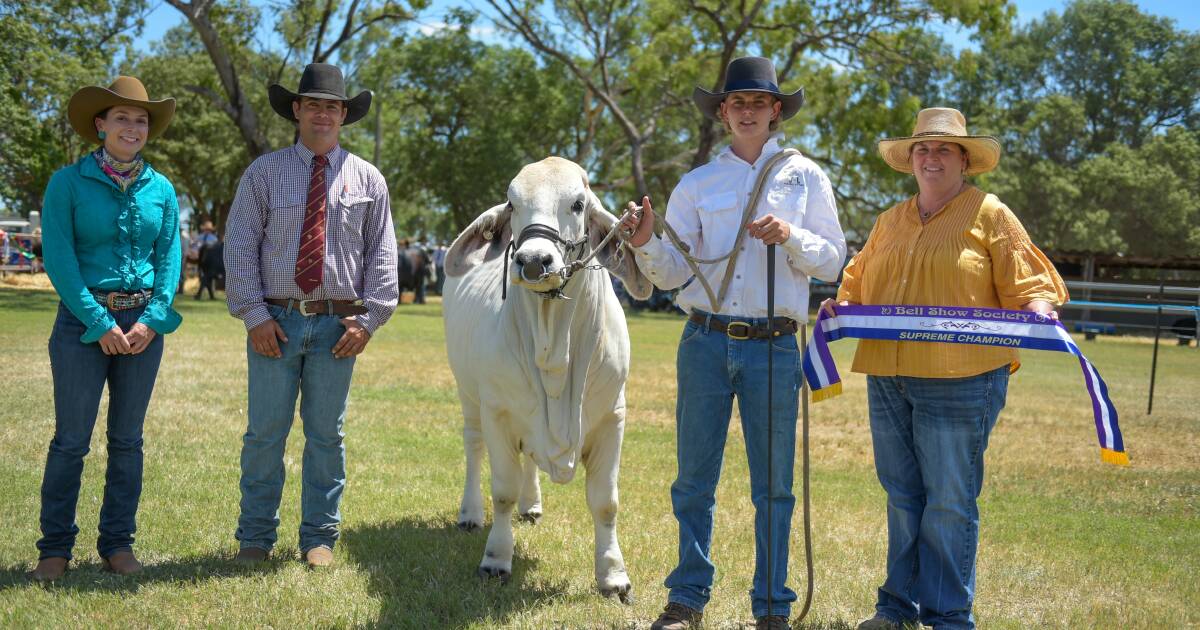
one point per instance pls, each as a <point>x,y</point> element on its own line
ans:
<point>929,436</point>
<point>309,370</point>
<point>712,370</point>
<point>80,371</point>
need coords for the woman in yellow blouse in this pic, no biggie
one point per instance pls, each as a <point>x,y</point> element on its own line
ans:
<point>933,405</point>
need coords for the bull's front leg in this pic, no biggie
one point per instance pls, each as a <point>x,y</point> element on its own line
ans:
<point>531,492</point>
<point>470,512</point>
<point>506,490</point>
<point>602,461</point>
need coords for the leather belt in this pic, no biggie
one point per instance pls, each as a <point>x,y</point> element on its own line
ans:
<point>117,301</point>
<point>320,307</point>
<point>744,330</point>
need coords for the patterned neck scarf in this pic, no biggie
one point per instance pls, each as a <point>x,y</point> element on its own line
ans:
<point>122,173</point>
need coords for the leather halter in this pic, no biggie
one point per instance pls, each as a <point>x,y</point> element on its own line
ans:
<point>565,249</point>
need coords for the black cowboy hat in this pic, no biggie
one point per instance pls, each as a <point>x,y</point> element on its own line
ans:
<point>320,80</point>
<point>748,74</point>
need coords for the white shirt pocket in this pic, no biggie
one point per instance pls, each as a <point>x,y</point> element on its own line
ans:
<point>719,217</point>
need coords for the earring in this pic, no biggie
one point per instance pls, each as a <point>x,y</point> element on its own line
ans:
<point>101,135</point>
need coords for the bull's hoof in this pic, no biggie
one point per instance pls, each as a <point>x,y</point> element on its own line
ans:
<point>490,573</point>
<point>470,526</point>
<point>531,517</point>
<point>623,592</point>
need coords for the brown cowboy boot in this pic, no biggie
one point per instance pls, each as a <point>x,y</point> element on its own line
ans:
<point>121,563</point>
<point>49,569</point>
<point>251,555</point>
<point>319,557</point>
<point>676,616</point>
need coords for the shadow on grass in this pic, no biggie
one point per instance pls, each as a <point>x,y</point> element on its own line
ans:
<point>424,573</point>
<point>89,577</point>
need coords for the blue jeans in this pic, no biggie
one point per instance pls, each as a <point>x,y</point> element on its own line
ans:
<point>309,370</point>
<point>80,371</point>
<point>929,437</point>
<point>712,370</point>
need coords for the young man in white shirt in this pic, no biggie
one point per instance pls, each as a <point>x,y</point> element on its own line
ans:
<point>723,351</point>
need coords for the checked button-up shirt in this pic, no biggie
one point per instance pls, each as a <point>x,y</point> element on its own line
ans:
<point>262,236</point>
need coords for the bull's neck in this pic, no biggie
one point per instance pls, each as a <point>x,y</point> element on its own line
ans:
<point>553,333</point>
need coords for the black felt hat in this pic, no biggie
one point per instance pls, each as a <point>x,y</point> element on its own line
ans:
<point>320,80</point>
<point>748,74</point>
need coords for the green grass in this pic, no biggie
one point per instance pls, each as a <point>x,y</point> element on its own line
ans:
<point>1065,540</point>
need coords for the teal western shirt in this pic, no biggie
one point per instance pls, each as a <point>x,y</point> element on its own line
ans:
<point>96,237</point>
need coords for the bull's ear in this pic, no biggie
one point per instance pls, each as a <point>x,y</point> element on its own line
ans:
<point>482,241</point>
<point>617,256</point>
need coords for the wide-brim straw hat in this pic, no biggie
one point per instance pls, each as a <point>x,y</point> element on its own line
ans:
<point>946,125</point>
<point>88,102</point>
<point>323,81</point>
<point>748,74</point>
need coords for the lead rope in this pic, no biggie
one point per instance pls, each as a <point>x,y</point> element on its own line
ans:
<point>770,444</point>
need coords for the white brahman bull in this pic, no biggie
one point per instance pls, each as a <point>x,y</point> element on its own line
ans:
<point>539,375</point>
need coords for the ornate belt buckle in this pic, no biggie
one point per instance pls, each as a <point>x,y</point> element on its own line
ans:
<point>739,336</point>
<point>111,300</point>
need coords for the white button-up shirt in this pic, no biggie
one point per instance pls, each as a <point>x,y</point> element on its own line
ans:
<point>706,209</point>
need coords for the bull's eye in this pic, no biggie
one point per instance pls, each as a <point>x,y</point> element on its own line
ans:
<point>577,206</point>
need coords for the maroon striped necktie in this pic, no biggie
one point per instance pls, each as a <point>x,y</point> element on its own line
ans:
<point>310,259</point>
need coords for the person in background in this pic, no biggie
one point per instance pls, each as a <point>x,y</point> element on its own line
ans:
<point>111,242</point>
<point>932,406</point>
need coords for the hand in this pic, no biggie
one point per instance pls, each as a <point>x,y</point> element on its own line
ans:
<point>829,304</point>
<point>139,337</point>
<point>1042,307</point>
<point>265,337</point>
<point>114,342</point>
<point>640,227</point>
<point>771,230</point>
<point>353,341</point>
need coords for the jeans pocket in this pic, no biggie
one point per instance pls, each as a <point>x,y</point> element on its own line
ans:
<point>691,330</point>
<point>785,344</point>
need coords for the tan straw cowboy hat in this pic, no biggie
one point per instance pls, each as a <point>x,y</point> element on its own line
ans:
<point>945,125</point>
<point>88,102</point>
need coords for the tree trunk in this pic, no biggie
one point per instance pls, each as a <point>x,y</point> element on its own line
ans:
<point>235,105</point>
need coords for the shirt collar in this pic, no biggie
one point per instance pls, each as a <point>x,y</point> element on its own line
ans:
<point>770,148</point>
<point>334,156</point>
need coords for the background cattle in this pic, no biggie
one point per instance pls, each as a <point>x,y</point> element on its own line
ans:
<point>415,267</point>
<point>541,379</point>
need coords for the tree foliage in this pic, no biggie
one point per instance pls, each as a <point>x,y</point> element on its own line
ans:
<point>1098,110</point>
<point>49,49</point>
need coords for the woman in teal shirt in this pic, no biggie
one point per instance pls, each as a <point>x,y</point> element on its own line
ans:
<point>111,247</point>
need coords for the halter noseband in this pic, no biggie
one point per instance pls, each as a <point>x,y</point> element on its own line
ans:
<point>565,249</point>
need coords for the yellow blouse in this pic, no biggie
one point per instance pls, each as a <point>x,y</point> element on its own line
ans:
<point>973,253</point>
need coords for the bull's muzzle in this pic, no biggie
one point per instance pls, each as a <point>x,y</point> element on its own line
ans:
<point>534,266</point>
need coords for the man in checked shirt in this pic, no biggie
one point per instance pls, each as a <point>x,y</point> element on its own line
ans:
<point>310,261</point>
